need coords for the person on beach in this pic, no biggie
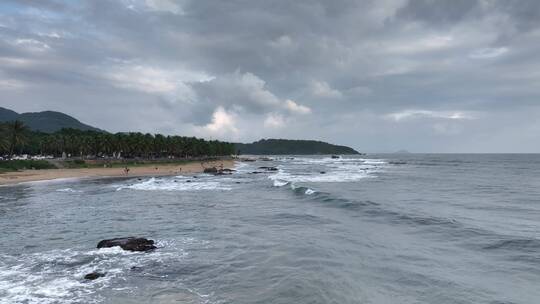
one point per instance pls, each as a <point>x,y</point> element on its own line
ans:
<point>126,170</point>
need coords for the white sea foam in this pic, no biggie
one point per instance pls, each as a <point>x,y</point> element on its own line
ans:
<point>154,184</point>
<point>338,161</point>
<point>334,170</point>
<point>69,190</point>
<point>310,191</point>
<point>307,191</point>
<point>57,276</point>
<point>53,181</point>
<point>374,162</point>
<point>335,176</point>
<point>280,183</point>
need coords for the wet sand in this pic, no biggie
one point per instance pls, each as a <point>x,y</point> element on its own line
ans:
<point>144,170</point>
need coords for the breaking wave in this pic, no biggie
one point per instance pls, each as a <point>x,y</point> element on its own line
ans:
<point>178,184</point>
<point>57,276</point>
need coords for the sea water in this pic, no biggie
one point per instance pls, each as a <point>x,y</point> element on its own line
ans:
<point>394,228</point>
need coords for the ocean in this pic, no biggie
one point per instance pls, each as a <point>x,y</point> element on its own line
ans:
<point>378,228</point>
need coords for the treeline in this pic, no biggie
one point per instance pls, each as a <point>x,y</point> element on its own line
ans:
<point>292,147</point>
<point>16,138</point>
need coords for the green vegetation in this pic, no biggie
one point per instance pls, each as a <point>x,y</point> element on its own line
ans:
<point>46,121</point>
<point>15,135</point>
<point>15,165</point>
<point>16,138</point>
<point>79,163</point>
<point>291,147</point>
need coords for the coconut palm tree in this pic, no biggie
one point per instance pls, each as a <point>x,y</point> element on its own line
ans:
<point>16,132</point>
<point>4,143</point>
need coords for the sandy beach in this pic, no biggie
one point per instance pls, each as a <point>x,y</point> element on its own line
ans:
<point>145,170</point>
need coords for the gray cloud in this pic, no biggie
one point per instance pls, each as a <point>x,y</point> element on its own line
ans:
<point>240,70</point>
<point>438,12</point>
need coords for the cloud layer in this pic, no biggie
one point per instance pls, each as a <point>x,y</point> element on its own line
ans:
<point>422,75</point>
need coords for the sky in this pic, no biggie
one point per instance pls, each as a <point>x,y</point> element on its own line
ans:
<point>376,75</point>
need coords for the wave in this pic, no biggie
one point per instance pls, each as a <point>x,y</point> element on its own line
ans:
<point>302,190</point>
<point>335,176</point>
<point>374,162</point>
<point>178,184</point>
<point>291,219</point>
<point>57,276</point>
<point>515,244</point>
<point>329,160</point>
<point>280,183</point>
<point>69,190</point>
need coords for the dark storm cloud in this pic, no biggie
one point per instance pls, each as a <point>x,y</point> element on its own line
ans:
<point>423,75</point>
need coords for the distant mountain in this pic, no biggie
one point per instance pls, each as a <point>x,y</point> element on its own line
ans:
<point>46,121</point>
<point>292,147</point>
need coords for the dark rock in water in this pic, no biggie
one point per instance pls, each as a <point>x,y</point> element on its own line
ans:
<point>269,168</point>
<point>129,243</point>
<point>136,268</point>
<point>188,181</point>
<point>195,176</point>
<point>335,156</point>
<point>212,170</point>
<point>322,172</point>
<point>228,170</point>
<point>94,275</point>
<point>217,171</point>
<point>398,162</point>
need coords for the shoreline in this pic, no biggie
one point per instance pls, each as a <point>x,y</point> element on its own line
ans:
<point>155,169</point>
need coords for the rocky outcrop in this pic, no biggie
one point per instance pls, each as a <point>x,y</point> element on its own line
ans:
<point>216,171</point>
<point>128,243</point>
<point>93,275</point>
<point>211,170</point>
<point>269,168</point>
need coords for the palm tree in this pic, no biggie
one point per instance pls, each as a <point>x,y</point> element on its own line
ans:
<point>4,143</point>
<point>16,135</point>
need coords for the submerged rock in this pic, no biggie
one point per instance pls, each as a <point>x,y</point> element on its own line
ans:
<point>269,168</point>
<point>128,243</point>
<point>93,275</point>
<point>398,162</point>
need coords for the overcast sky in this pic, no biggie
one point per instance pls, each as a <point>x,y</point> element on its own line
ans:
<point>380,75</point>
